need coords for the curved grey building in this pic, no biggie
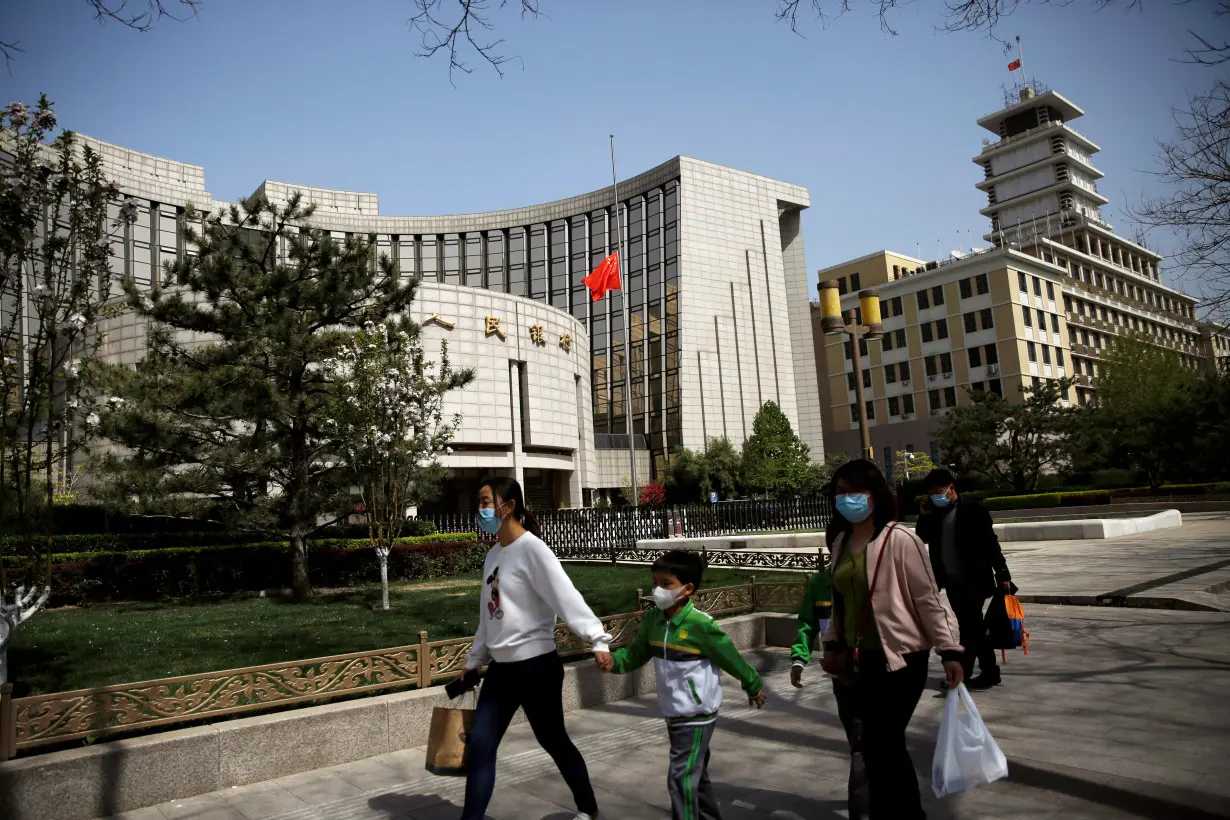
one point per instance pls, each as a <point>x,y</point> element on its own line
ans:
<point>717,289</point>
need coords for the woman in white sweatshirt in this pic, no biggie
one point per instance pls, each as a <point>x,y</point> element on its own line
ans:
<point>524,589</point>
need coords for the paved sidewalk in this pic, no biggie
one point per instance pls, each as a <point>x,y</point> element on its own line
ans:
<point>1116,713</point>
<point>1151,569</point>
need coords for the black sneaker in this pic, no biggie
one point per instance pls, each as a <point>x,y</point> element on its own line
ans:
<point>983,681</point>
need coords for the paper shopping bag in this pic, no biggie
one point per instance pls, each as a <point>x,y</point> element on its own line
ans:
<point>447,741</point>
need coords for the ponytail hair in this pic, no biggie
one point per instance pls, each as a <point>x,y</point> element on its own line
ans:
<point>507,489</point>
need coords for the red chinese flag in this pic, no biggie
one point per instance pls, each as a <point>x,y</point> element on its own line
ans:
<point>1014,65</point>
<point>604,278</point>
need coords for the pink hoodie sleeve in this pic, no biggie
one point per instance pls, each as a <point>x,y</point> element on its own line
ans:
<point>937,622</point>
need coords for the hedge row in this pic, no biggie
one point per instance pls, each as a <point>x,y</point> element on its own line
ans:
<point>79,578</point>
<point>1091,498</point>
<point>173,539</point>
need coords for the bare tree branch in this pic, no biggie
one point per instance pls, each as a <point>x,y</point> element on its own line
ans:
<point>143,14</point>
<point>1197,167</point>
<point>141,17</point>
<point>9,50</point>
<point>468,31</point>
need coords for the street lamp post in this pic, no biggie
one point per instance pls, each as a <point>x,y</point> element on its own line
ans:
<point>870,328</point>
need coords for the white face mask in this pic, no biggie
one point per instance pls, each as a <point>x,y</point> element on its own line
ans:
<point>665,598</point>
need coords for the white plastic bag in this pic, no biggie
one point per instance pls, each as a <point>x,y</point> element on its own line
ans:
<point>966,756</point>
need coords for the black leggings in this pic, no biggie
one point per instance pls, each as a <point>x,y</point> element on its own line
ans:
<point>535,685</point>
<point>879,704</point>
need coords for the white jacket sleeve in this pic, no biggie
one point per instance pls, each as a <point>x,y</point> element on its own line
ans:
<point>556,588</point>
<point>479,655</point>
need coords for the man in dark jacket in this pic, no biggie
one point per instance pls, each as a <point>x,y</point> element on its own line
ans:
<point>968,564</point>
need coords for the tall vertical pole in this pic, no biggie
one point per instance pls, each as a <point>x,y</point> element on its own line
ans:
<point>1020,55</point>
<point>857,360</point>
<point>623,292</point>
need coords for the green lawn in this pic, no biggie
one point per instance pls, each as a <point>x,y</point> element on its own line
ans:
<point>103,645</point>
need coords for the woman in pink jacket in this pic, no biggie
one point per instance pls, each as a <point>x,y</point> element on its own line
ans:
<point>887,617</point>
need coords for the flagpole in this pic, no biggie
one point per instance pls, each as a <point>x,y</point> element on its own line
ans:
<point>623,292</point>
<point>1020,55</point>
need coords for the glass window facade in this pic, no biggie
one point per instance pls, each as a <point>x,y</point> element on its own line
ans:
<point>545,261</point>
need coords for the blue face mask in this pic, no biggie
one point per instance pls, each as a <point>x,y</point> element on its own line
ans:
<point>487,522</point>
<point>940,500</point>
<point>854,507</point>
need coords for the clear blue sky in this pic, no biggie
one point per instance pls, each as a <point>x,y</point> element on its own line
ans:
<point>880,129</point>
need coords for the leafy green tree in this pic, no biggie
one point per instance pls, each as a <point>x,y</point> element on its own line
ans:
<point>1141,395</point>
<point>1204,421</point>
<point>776,462</point>
<point>55,278</point>
<point>910,466</point>
<point>1011,443</point>
<point>387,425</point>
<point>226,414</point>
<point>694,476</point>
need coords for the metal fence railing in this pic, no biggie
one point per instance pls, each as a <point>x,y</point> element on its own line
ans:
<point>603,530</point>
<point>111,711</point>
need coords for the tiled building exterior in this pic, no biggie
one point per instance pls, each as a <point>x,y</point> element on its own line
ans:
<point>1043,302</point>
<point>714,276</point>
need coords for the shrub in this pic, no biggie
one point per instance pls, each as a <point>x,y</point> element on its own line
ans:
<point>183,571</point>
<point>1090,498</point>
<point>133,541</point>
<point>653,494</point>
<point>1085,498</point>
<point>1220,488</point>
<point>1023,502</point>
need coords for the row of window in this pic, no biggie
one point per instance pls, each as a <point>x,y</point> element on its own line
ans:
<point>893,339</point>
<point>982,320</point>
<point>935,364</point>
<point>1032,350</point>
<point>1027,316</point>
<point>930,298</point>
<point>891,307</point>
<point>929,334</point>
<point>983,355</point>
<point>1128,321</point>
<point>938,399</point>
<point>938,364</point>
<point>544,261</point>
<point>1128,290</point>
<point>1022,282</point>
<point>1086,337</point>
<point>970,284</point>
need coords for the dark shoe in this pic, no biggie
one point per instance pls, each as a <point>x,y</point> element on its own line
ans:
<point>983,681</point>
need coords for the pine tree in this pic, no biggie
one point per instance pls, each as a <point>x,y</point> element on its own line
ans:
<point>225,416</point>
<point>776,462</point>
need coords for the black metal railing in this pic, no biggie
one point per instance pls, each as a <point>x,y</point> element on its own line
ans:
<point>596,531</point>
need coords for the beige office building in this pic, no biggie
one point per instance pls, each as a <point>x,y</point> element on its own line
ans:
<point>1048,295</point>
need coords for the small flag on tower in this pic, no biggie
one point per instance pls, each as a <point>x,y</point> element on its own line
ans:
<point>604,278</point>
<point>1014,65</point>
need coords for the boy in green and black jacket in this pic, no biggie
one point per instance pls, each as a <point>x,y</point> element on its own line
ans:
<point>814,613</point>
<point>687,648</point>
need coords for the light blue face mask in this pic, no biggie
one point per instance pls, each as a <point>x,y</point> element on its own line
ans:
<point>854,507</point>
<point>487,522</point>
<point>940,500</point>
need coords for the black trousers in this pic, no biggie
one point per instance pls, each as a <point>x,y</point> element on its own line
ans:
<point>535,685</point>
<point>968,606</point>
<point>879,704</point>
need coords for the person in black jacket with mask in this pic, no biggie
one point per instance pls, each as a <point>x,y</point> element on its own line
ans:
<point>968,564</point>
